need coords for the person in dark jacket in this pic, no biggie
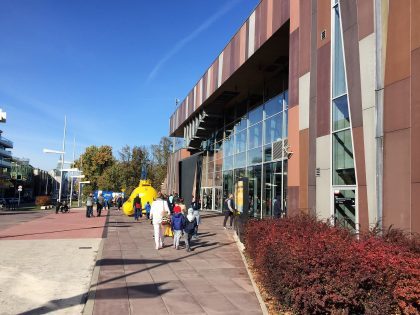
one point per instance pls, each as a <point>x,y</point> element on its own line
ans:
<point>99,204</point>
<point>177,225</point>
<point>229,211</point>
<point>137,207</point>
<point>277,207</point>
<point>189,229</point>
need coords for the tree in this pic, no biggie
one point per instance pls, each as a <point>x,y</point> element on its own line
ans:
<point>132,161</point>
<point>159,162</point>
<point>93,162</point>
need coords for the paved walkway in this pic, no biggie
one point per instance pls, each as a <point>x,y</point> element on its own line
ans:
<point>135,278</point>
<point>47,260</point>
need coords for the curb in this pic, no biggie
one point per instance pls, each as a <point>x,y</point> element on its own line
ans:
<point>241,248</point>
<point>90,296</point>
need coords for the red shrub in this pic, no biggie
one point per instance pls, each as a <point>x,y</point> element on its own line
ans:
<point>42,200</point>
<point>318,269</point>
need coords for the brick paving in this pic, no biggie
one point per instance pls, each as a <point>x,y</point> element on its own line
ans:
<point>71,225</point>
<point>135,278</point>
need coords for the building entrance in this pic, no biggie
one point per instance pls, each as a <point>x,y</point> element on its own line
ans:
<point>211,198</point>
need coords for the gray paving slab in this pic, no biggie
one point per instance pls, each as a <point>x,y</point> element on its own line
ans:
<point>135,278</point>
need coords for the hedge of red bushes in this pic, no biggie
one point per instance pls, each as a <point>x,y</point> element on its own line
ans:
<point>313,268</point>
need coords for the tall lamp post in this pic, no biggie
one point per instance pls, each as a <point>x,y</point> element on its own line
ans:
<point>62,152</point>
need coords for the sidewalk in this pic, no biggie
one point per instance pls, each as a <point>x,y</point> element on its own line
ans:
<point>135,278</point>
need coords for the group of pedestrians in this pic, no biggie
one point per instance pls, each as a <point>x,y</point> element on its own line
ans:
<point>171,211</point>
<point>101,203</point>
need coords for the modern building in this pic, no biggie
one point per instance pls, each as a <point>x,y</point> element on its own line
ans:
<point>316,102</point>
<point>5,163</point>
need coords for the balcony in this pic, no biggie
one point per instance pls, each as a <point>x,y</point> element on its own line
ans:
<point>5,163</point>
<point>6,142</point>
<point>5,153</point>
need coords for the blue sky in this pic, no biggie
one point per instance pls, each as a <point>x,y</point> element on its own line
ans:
<point>113,67</point>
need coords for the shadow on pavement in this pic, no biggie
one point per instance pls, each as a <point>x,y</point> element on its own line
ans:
<point>135,291</point>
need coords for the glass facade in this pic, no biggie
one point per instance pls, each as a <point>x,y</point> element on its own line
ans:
<point>343,172</point>
<point>247,152</point>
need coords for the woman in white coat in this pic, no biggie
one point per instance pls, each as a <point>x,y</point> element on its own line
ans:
<point>158,210</point>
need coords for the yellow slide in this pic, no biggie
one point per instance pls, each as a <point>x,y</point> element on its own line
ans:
<point>147,194</point>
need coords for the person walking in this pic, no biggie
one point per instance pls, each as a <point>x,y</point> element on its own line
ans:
<point>137,207</point>
<point>99,204</point>
<point>177,225</point>
<point>89,206</point>
<point>229,210</point>
<point>196,206</point>
<point>147,207</point>
<point>119,202</point>
<point>171,204</point>
<point>158,210</point>
<point>189,229</point>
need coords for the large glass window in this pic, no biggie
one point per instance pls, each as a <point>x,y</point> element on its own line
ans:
<point>255,115</point>
<point>343,173</point>
<point>341,118</point>
<point>240,142</point>
<point>247,151</point>
<point>273,106</point>
<point>343,163</point>
<point>255,136</point>
<point>273,128</point>
<point>339,80</point>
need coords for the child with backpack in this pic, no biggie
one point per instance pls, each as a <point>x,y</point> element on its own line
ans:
<point>189,229</point>
<point>177,225</point>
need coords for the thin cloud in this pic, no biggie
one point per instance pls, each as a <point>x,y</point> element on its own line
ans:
<point>225,9</point>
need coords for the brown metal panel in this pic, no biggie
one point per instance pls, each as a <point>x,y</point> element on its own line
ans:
<point>242,44</point>
<point>397,65</point>
<point>215,72</point>
<point>351,52</point>
<point>227,56</point>
<point>397,105</point>
<point>305,36</point>
<point>205,86</point>
<point>415,117</point>
<point>415,24</point>
<point>396,181</point>
<point>263,23</point>
<point>294,69</point>
<point>363,208</point>
<point>312,112</point>
<point>324,21</point>
<point>348,14</point>
<point>293,200</point>
<point>303,167</point>
<point>281,13</point>
<point>294,15</point>
<point>269,23</point>
<point>258,23</point>
<point>365,12</point>
<point>247,40</point>
<point>415,213</point>
<point>323,90</point>
<point>190,103</point>
<point>293,164</point>
<point>359,155</point>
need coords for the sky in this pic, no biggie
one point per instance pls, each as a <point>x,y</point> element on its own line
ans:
<point>113,67</point>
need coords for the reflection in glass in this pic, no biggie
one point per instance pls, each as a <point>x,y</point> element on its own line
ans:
<point>273,128</point>
<point>343,163</point>
<point>240,160</point>
<point>256,115</point>
<point>255,136</point>
<point>254,187</point>
<point>274,106</point>
<point>341,117</point>
<point>339,79</point>
<point>241,125</point>
<point>228,162</point>
<point>254,156</point>
<point>227,183</point>
<point>345,208</point>
<point>267,153</point>
<point>240,142</point>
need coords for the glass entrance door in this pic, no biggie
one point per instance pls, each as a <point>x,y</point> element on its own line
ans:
<point>345,208</point>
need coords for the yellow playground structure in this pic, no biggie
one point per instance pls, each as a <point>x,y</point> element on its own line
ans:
<point>147,194</point>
